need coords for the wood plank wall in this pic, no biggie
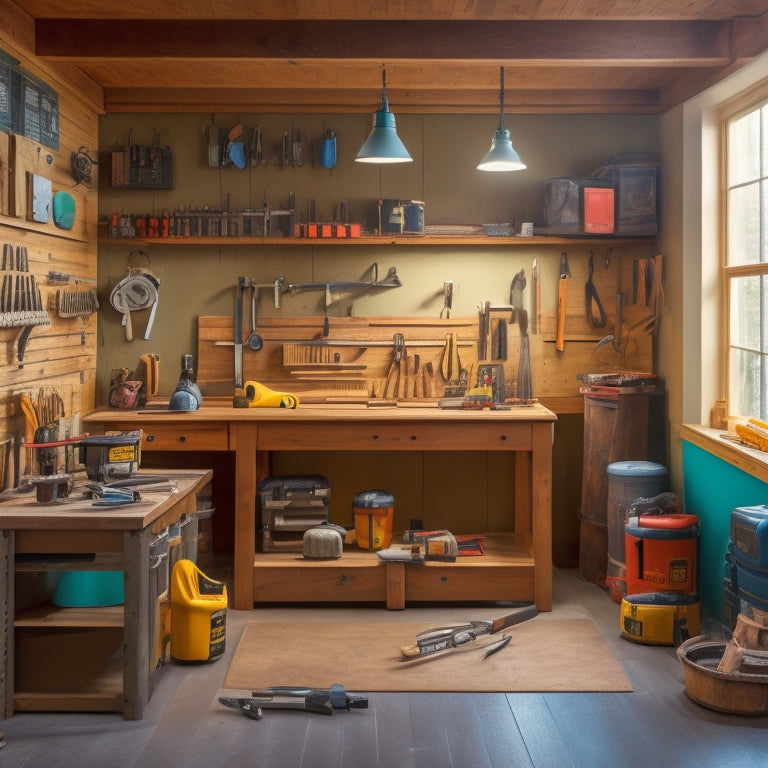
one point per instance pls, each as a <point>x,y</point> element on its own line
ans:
<point>59,357</point>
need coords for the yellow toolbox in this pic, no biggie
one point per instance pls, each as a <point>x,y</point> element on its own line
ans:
<point>660,618</point>
<point>198,614</point>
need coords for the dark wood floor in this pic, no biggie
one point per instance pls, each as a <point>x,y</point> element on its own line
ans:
<point>655,725</point>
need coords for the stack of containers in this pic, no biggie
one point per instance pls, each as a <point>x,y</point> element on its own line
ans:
<point>628,482</point>
<point>662,605</point>
<point>746,569</point>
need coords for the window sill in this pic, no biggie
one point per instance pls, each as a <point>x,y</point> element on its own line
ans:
<point>750,460</point>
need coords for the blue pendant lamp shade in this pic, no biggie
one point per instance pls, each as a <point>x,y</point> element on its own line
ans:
<point>383,145</point>
<point>501,156</point>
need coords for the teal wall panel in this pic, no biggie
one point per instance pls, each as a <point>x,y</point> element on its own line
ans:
<point>711,489</point>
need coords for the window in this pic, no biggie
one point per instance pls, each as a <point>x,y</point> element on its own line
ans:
<point>746,259</point>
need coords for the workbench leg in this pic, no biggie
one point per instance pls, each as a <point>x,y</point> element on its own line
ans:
<point>7,608</point>
<point>246,479</point>
<point>395,586</point>
<point>523,501</point>
<point>541,513</point>
<point>137,645</point>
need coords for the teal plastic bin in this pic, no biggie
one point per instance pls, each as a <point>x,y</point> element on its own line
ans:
<point>89,589</point>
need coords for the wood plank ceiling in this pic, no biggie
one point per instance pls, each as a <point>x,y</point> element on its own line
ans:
<point>577,56</point>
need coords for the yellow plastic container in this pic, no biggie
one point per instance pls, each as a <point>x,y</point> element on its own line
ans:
<point>373,513</point>
<point>198,614</point>
<point>660,618</point>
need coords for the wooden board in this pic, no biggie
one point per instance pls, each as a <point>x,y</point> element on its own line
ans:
<point>26,159</point>
<point>553,374</point>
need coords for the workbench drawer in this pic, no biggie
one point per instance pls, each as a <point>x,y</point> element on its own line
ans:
<point>394,435</point>
<point>471,582</point>
<point>185,437</point>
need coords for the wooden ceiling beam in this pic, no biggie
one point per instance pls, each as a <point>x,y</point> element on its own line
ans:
<point>652,43</point>
<point>395,9</point>
<point>349,102</point>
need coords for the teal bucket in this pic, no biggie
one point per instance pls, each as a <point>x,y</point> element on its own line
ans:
<point>89,589</point>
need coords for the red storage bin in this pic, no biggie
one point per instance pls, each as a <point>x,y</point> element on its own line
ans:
<point>661,553</point>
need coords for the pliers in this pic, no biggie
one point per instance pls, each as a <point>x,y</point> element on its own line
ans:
<point>109,496</point>
<point>245,704</point>
<point>593,299</point>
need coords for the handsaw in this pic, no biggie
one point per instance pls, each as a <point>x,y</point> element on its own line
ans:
<point>446,638</point>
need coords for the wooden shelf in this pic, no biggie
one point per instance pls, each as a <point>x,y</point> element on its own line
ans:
<point>99,691</point>
<point>50,615</point>
<point>503,573</point>
<point>376,240</point>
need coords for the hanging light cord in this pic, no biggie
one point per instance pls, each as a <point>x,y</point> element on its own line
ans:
<point>384,99</point>
<point>501,100</point>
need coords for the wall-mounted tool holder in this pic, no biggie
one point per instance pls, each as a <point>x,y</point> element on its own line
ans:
<point>142,166</point>
<point>78,303</point>
<point>21,304</point>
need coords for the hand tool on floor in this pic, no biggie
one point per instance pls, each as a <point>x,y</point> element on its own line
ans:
<point>446,638</point>
<point>242,281</point>
<point>245,704</point>
<point>592,299</point>
<point>562,300</point>
<point>321,701</point>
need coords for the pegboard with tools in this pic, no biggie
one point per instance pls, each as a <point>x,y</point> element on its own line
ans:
<point>606,320</point>
<point>21,304</point>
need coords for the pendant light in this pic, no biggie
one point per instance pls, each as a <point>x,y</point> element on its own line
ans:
<point>383,145</point>
<point>502,155</point>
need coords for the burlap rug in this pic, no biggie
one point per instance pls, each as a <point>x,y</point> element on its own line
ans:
<point>543,656</point>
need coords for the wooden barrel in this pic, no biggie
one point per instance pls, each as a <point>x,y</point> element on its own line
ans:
<point>615,429</point>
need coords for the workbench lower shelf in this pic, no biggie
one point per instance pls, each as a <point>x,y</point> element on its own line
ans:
<point>60,667</point>
<point>503,573</point>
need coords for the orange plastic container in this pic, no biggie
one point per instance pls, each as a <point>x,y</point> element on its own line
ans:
<point>373,512</point>
<point>661,553</point>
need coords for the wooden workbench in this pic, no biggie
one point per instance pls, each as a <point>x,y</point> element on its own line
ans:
<point>49,537</point>
<point>517,566</point>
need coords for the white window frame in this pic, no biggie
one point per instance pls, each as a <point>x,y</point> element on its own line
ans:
<point>752,100</point>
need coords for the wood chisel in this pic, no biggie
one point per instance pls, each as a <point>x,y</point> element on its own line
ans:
<point>535,297</point>
<point>562,301</point>
<point>239,292</point>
